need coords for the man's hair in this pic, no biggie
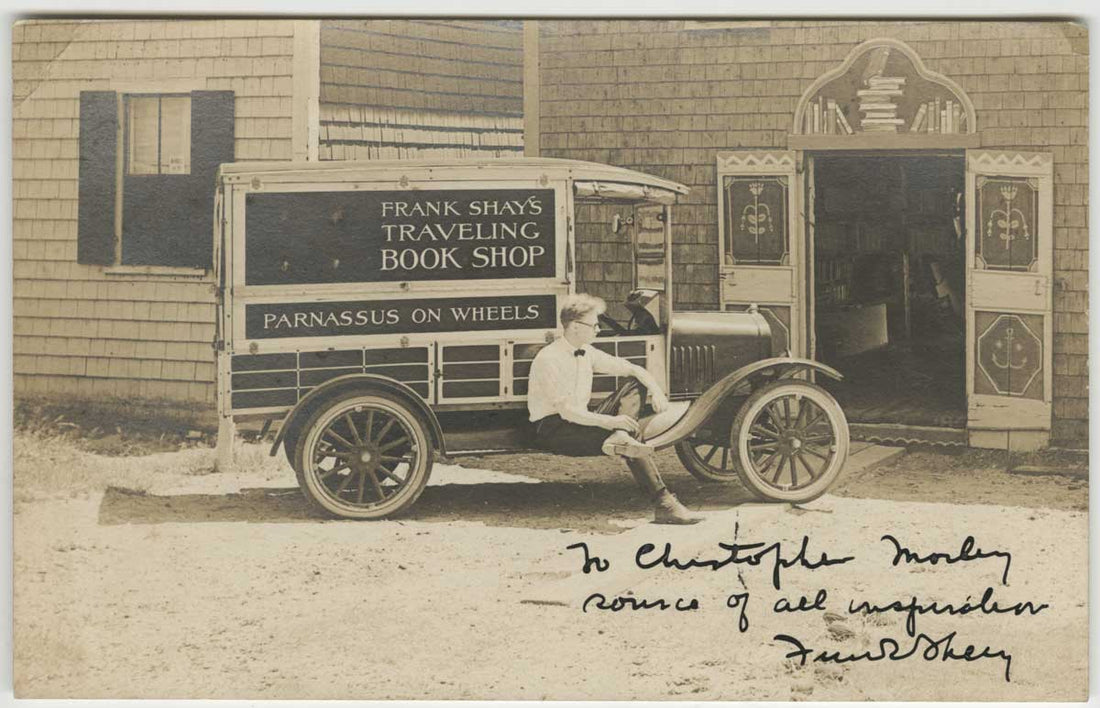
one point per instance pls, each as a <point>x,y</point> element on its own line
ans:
<point>577,306</point>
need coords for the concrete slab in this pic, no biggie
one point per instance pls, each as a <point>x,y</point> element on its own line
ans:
<point>869,455</point>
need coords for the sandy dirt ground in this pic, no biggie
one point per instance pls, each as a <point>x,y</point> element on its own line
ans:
<point>151,577</point>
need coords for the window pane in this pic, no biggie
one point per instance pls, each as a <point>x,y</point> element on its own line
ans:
<point>649,251</point>
<point>142,138</point>
<point>175,135</point>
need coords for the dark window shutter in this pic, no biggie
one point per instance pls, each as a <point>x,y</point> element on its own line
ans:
<point>169,219</point>
<point>212,141</point>
<point>95,229</point>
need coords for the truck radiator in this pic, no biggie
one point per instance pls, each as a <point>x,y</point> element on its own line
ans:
<point>693,367</point>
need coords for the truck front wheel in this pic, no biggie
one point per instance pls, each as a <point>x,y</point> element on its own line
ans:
<point>791,441</point>
<point>363,455</point>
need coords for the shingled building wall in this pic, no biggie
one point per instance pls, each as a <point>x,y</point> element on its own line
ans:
<point>80,330</point>
<point>395,89</point>
<point>665,96</point>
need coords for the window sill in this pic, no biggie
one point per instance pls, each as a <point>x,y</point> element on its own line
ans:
<point>157,271</point>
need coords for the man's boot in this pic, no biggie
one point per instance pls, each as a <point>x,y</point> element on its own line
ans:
<point>667,508</point>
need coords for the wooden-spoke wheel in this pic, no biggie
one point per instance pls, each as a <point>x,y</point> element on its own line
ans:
<point>706,460</point>
<point>363,456</point>
<point>791,438</point>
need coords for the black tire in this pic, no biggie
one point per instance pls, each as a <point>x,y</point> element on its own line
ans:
<point>290,445</point>
<point>699,457</point>
<point>363,455</point>
<point>790,430</point>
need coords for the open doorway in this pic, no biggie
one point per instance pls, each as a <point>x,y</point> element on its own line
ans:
<point>889,285</point>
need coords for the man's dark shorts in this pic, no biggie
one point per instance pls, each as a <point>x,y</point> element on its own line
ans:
<point>561,437</point>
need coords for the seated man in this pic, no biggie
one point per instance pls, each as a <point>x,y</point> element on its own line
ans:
<point>559,388</point>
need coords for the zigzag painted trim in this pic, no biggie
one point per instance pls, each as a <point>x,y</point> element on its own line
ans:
<point>986,158</point>
<point>741,160</point>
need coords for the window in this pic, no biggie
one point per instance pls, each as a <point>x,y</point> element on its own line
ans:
<point>649,247</point>
<point>147,166</point>
<point>158,135</point>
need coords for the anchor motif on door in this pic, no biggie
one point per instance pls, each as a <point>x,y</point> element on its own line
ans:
<point>1010,355</point>
<point>1008,220</point>
<point>756,216</point>
<point>1009,350</point>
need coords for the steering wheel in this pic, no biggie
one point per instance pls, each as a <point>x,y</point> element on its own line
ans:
<point>607,321</point>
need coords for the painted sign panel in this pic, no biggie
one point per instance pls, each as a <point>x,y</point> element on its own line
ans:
<point>362,317</point>
<point>401,235</point>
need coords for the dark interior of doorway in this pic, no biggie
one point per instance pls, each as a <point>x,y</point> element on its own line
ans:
<point>889,285</point>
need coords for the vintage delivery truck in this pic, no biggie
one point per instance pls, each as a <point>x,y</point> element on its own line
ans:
<point>387,313</point>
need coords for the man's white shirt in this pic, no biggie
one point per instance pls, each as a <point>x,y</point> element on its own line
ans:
<point>561,381</point>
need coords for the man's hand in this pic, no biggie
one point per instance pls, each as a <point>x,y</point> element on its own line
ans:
<point>658,400</point>
<point>623,422</point>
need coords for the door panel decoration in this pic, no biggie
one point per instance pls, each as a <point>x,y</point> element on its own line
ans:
<point>1009,354</point>
<point>756,220</point>
<point>1009,215</point>
<point>761,248</point>
<point>1007,210</point>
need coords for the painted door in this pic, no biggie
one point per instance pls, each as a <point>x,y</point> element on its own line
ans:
<point>761,258</point>
<point>1009,322</point>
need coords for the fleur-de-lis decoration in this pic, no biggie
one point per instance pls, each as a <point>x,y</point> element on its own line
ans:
<point>1007,220</point>
<point>756,217</point>
<point>1010,349</point>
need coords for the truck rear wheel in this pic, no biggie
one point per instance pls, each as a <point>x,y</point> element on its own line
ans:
<point>707,461</point>
<point>791,439</point>
<point>363,455</point>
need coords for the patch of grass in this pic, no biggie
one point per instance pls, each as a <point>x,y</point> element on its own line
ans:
<point>53,466</point>
<point>49,466</point>
<point>110,429</point>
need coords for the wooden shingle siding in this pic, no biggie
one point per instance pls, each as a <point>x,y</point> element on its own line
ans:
<point>80,330</point>
<point>392,89</point>
<point>451,66</point>
<point>656,96</point>
<point>365,133</point>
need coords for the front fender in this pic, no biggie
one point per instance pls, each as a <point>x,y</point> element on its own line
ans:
<point>369,381</point>
<point>702,407</point>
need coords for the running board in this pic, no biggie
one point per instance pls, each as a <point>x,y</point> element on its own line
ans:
<point>898,434</point>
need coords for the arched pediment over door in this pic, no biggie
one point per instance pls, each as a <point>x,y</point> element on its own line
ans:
<point>883,94</point>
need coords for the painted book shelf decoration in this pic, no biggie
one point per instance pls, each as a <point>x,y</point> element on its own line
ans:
<point>883,87</point>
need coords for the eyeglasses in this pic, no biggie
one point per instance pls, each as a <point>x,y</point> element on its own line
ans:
<point>594,325</point>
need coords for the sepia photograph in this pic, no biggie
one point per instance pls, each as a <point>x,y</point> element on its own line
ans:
<point>586,359</point>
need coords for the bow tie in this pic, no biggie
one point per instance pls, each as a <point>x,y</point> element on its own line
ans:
<point>578,352</point>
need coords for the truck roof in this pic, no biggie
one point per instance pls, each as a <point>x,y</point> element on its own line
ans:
<point>481,168</point>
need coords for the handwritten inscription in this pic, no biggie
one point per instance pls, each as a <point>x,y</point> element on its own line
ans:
<point>751,554</point>
<point>913,607</point>
<point>967,552</point>
<point>924,647</point>
<point>774,557</point>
